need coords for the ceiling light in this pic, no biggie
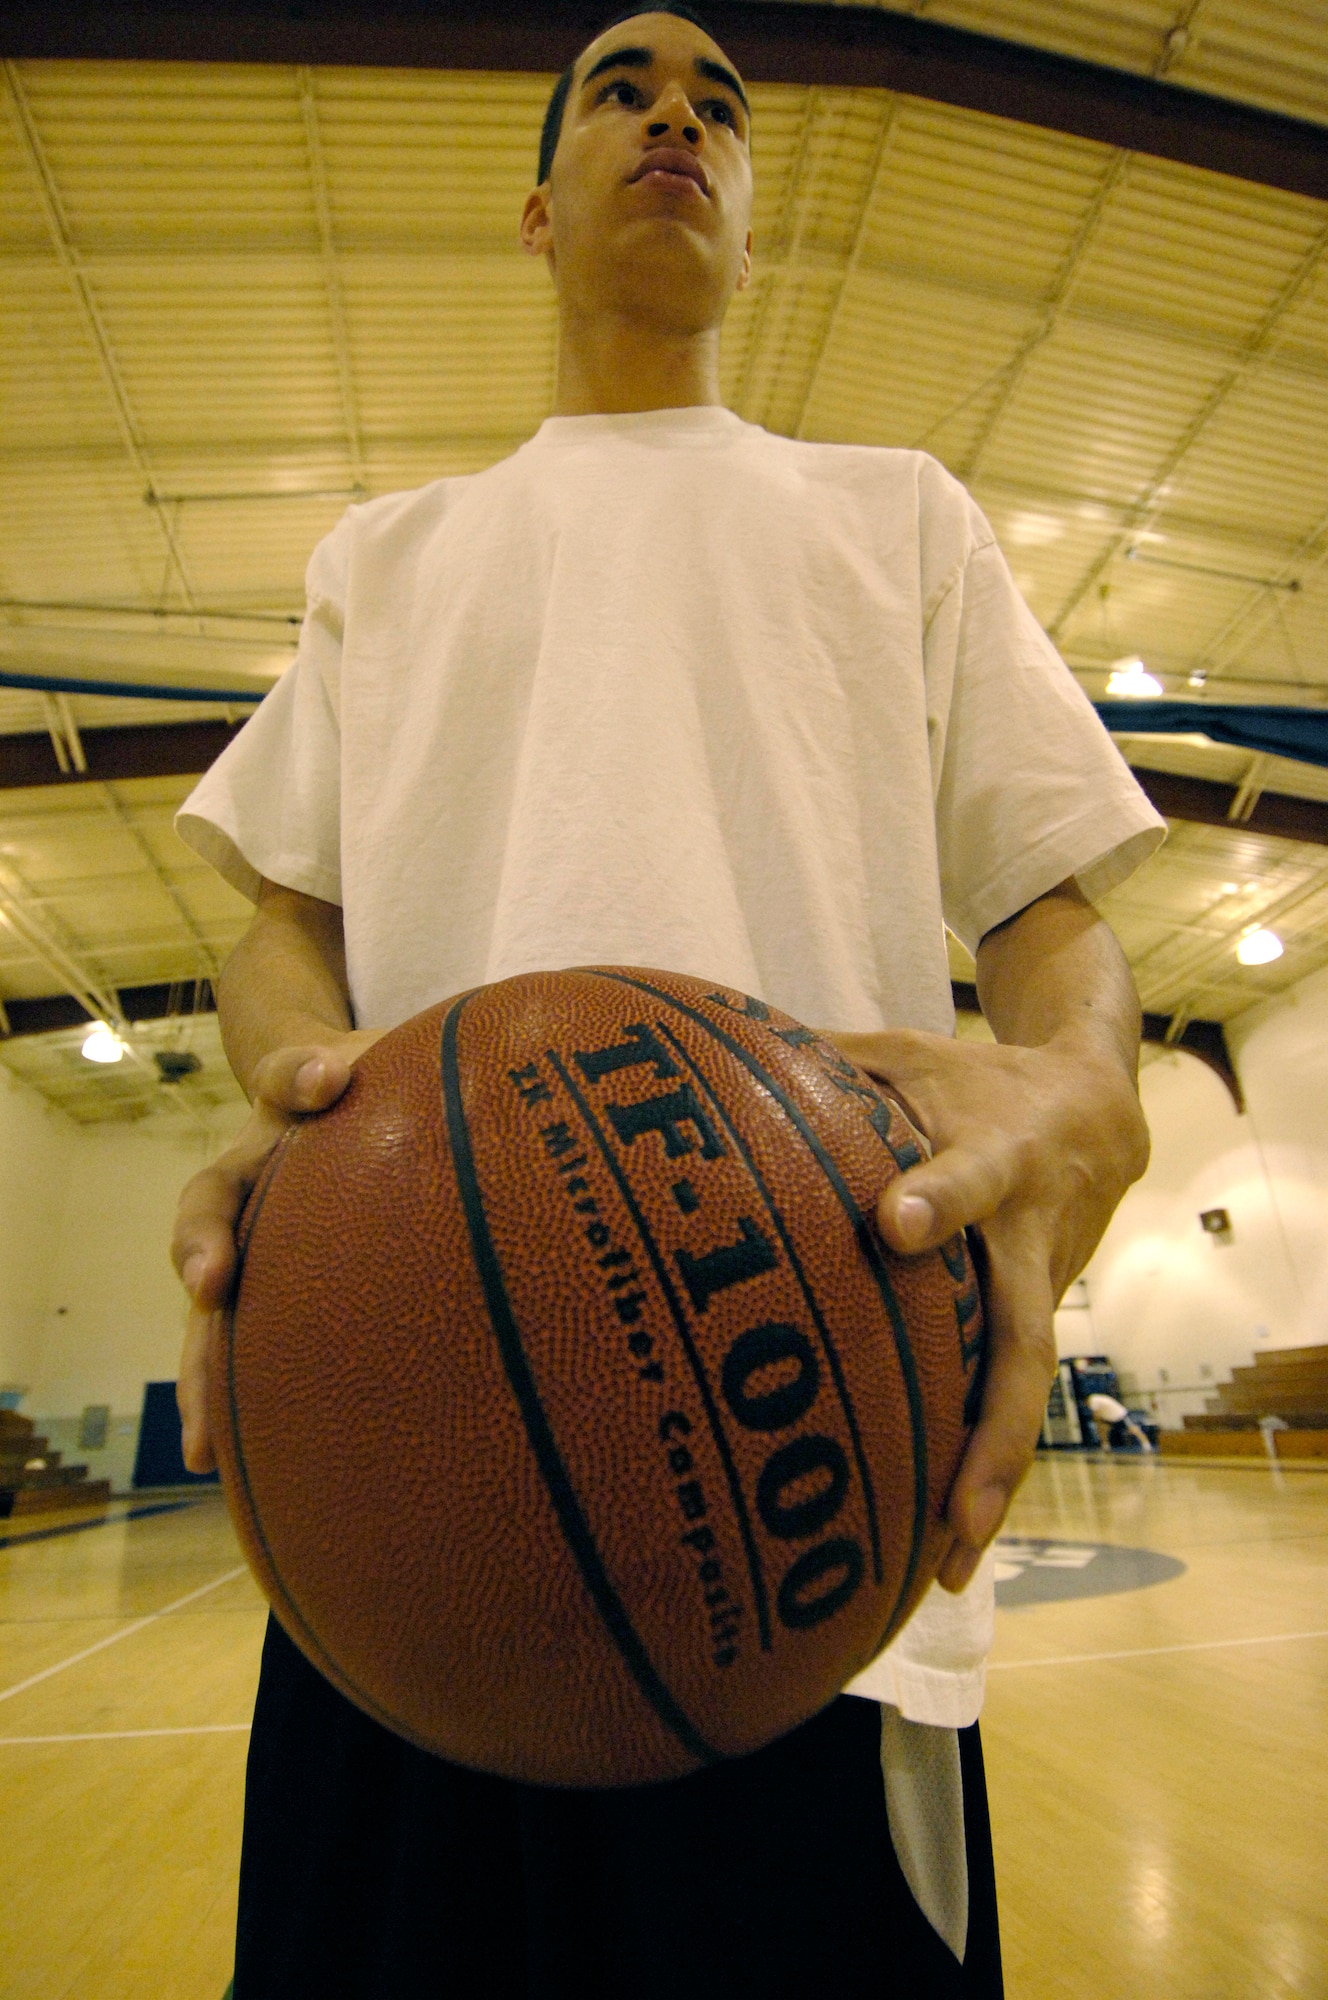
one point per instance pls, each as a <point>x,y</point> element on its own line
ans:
<point>1259,948</point>
<point>1130,680</point>
<point>1198,679</point>
<point>1231,888</point>
<point>103,1045</point>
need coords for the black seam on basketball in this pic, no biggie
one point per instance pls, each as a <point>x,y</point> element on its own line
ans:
<point>867,1243</point>
<point>689,1349</point>
<point>254,1206</point>
<point>557,1481</point>
<point>831,1353</point>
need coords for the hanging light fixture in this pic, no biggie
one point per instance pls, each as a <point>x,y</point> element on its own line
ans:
<point>1259,947</point>
<point>102,1044</point>
<point>1130,680</point>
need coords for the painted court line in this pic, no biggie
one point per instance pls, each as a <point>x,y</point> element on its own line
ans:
<point>127,1632</point>
<point>20,1538</point>
<point>1149,1652</point>
<point>124,1735</point>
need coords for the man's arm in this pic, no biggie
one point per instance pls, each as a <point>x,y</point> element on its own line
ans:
<point>285,982</point>
<point>284,1006</point>
<point>1036,1140</point>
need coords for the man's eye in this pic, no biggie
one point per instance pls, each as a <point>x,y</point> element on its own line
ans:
<point>723,112</point>
<point>626,93</point>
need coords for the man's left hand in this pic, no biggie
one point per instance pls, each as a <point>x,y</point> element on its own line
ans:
<point>1036,1146</point>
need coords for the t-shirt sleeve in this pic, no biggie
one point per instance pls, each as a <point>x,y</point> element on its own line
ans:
<point>271,804</point>
<point>1030,788</point>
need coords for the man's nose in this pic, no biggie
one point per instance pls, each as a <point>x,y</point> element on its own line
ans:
<point>672,113</point>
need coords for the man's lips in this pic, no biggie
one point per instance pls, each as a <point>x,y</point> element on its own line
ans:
<point>671,163</point>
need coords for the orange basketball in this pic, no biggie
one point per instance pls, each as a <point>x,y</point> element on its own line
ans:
<point>571,1413</point>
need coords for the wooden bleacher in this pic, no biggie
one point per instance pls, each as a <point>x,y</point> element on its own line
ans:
<point>1286,1382</point>
<point>33,1480</point>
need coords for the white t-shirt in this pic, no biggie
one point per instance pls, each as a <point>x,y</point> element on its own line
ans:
<point>664,689</point>
<point>1107,1407</point>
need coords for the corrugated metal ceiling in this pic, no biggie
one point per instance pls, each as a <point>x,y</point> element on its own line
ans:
<point>1273,53</point>
<point>234,296</point>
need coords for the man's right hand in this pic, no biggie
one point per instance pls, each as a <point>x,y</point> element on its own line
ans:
<point>289,1084</point>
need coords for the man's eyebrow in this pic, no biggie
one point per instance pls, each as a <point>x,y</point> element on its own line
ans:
<point>718,74</point>
<point>642,58</point>
<point>620,59</point>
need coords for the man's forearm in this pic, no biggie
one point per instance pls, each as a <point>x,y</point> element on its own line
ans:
<point>285,982</point>
<point>1054,980</point>
<point>1056,972</point>
<point>1034,1142</point>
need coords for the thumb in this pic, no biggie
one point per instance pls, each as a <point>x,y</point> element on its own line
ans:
<point>295,1079</point>
<point>928,1204</point>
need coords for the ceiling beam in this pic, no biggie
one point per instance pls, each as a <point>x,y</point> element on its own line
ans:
<point>1204,1039</point>
<point>162,1000</point>
<point>186,749</point>
<point>1149,507</point>
<point>123,819</point>
<point>154,750</point>
<point>1210,804</point>
<point>336,299</point>
<point>459,265</point>
<point>156,1002</point>
<point>769,40</point>
<point>61,238</point>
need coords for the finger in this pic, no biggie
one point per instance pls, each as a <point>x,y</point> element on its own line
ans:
<point>203,1240</point>
<point>1020,1362</point>
<point>203,1245</point>
<point>209,1271</point>
<point>897,1056</point>
<point>963,1183</point>
<point>191,1391</point>
<point>301,1079</point>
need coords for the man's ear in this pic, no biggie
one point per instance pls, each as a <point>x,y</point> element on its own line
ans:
<point>745,271</point>
<point>536,222</point>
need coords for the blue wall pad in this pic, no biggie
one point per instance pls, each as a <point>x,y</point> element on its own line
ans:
<point>160,1460</point>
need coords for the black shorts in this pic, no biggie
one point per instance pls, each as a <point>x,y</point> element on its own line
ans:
<point>371,1870</point>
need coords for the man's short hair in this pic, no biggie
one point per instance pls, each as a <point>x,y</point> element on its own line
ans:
<point>553,116</point>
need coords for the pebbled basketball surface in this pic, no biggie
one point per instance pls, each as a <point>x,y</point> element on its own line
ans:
<point>572,1414</point>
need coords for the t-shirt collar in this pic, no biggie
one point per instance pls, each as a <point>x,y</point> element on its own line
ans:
<point>702,423</point>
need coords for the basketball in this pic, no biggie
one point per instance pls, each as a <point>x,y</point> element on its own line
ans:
<point>573,1417</point>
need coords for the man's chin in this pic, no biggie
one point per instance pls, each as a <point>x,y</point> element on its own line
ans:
<point>677,309</point>
<point>663,257</point>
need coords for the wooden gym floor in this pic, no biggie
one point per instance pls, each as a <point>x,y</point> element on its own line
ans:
<point>1157,1758</point>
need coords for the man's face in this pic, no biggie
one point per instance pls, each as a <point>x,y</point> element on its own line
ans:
<point>648,204</point>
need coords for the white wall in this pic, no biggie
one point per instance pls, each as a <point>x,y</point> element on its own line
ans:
<point>1175,1309</point>
<point>33,1155</point>
<point>90,1308</point>
<point>115,1312</point>
<point>1281,1050</point>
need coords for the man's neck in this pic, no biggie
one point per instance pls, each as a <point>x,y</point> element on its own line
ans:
<point>611,365</point>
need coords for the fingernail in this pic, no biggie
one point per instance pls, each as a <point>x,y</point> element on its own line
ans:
<point>985,1514</point>
<point>310,1075</point>
<point>914,1218</point>
<point>958,1567</point>
<point>193,1271</point>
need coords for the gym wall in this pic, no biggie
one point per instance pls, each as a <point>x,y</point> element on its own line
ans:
<point>34,1156</point>
<point>90,1308</point>
<point>1177,1309</point>
<point>86,1216</point>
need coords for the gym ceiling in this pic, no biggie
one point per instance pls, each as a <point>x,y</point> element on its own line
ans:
<point>256,266</point>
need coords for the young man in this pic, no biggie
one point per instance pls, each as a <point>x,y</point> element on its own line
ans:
<point>1107,1412</point>
<point>664,689</point>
